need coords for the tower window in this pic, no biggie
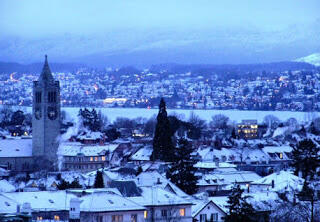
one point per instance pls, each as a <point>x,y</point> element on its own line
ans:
<point>52,97</point>
<point>38,97</point>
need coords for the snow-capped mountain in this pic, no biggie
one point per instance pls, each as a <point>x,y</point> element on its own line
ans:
<point>313,59</point>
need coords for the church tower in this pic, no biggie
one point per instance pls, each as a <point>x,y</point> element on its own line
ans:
<point>45,115</point>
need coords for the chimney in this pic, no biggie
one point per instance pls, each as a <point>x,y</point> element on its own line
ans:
<point>158,181</point>
<point>74,211</point>
<point>26,208</point>
<point>217,162</point>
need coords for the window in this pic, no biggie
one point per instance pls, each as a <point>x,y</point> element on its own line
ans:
<point>145,214</point>
<point>103,158</point>
<point>38,97</point>
<point>182,212</point>
<point>99,218</point>
<point>203,217</point>
<point>39,218</point>
<point>52,97</point>
<point>91,158</point>
<point>134,218</point>
<point>56,217</point>
<point>281,156</point>
<point>117,218</point>
<point>214,217</point>
<point>96,158</point>
<point>164,213</point>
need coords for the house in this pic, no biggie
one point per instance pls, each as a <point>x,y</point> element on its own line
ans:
<point>77,156</point>
<point>278,181</point>
<point>248,129</point>
<point>121,154</point>
<point>153,178</point>
<point>16,154</point>
<point>163,206</point>
<point>207,210</point>
<point>82,205</point>
<point>219,181</point>
<point>142,155</point>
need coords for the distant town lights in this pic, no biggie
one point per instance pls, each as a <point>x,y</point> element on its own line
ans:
<point>112,100</point>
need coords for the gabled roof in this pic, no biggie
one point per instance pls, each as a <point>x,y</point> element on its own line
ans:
<point>282,180</point>
<point>201,204</point>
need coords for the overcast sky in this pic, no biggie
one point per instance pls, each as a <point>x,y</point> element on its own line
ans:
<point>40,17</point>
<point>34,19</point>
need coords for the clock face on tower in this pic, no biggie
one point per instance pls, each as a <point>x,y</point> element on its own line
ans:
<point>37,113</point>
<point>52,112</point>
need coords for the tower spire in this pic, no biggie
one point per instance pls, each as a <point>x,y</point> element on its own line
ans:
<point>46,72</point>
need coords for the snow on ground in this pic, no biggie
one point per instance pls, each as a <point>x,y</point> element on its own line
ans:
<point>234,115</point>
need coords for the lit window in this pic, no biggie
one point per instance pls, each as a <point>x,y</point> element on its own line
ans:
<point>182,212</point>
<point>103,158</point>
<point>91,158</point>
<point>96,158</point>
<point>145,214</point>
<point>281,155</point>
<point>56,217</point>
<point>39,218</point>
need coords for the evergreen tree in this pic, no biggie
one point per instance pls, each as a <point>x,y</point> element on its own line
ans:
<point>239,209</point>
<point>63,185</point>
<point>162,143</point>
<point>182,172</point>
<point>91,119</point>
<point>233,133</point>
<point>17,118</point>
<point>75,184</point>
<point>98,181</point>
<point>305,158</point>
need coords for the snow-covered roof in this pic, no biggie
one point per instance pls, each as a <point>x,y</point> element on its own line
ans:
<point>153,178</point>
<point>201,204</point>
<point>234,154</point>
<point>7,205</point>
<point>16,148</point>
<point>277,149</point>
<point>283,180</point>
<point>142,154</point>
<point>157,196</point>
<point>106,201</point>
<point>41,200</point>
<point>213,165</point>
<point>221,202</point>
<point>226,178</point>
<point>74,149</point>
<point>100,200</point>
<point>5,186</point>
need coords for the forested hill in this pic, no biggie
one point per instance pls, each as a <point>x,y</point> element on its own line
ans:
<point>241,68</point>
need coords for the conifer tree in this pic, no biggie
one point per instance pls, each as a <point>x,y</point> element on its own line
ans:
<point>163,148</point>
<point>98,181</point>
<point>305,158</point>
<point>182,172</point>
<point>239,209</point>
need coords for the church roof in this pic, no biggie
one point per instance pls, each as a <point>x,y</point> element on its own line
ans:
<point>46,75</point>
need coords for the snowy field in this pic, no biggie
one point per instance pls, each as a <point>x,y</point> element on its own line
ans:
<point>234,115</point>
